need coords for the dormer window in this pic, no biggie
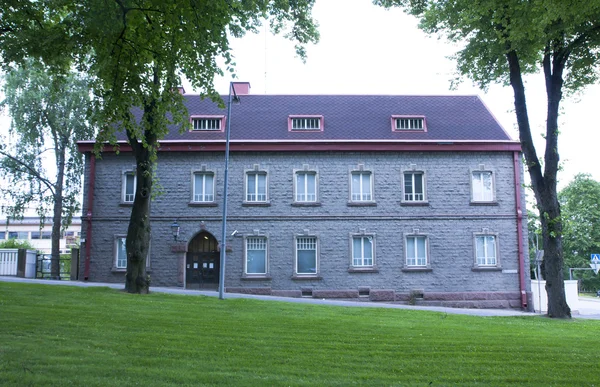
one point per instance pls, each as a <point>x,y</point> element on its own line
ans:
<point>408,123</point>
<point>207,123</point>
<point>305,123</point>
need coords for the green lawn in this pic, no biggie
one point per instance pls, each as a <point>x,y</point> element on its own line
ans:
<point>62,335</point>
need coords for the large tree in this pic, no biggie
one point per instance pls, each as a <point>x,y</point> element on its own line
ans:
<point>137,50</point>
<point>503,40</point>
<point>580,208</point>
<point>40,165</point>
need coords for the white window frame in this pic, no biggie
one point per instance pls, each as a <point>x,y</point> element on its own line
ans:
<point>203,197</point>
<point>414,198</point>
<point>257,195</point>
<point>116,260</point>
<point>128,197</point>
<point>208,123</point>
<point>408,123</point>
<point>305,123</point>
<point>359,197</point>
<point>298,239</point>
<point>413,262</point>
<point>253,238</point>
<point>487,261</point>
<point>305,193</point>
<point>483,198</point>
<point>357,261</point>
<point>115,266</point>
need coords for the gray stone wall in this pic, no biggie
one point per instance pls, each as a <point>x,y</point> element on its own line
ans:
<point>449,219</point>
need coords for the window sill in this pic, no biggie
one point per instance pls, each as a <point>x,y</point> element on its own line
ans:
<point>202,204</point>
<point>119,270</point>
<point>408,269</point>
<point>308,277</point>
<point>486,268</point>
<point>306,204</point>
<point>256,204</point>
<point>126,204</point>
<point>258,277</point>
<point>362,204</point>
<point>494,203</point>
<point>372,269</point>
<point>423,203</point>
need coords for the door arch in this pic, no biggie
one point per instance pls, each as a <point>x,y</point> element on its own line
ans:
<point>202,262</point>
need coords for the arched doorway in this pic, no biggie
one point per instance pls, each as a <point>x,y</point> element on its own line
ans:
<point>202,263</point>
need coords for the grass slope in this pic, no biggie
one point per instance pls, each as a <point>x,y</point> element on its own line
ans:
<point>62,335</point>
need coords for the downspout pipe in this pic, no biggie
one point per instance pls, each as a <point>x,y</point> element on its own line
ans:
<point>90,206</point>
<point>520,249</point>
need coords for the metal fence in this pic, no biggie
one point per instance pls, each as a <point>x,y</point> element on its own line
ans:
<point>44,267</point>
<point>8,261</point>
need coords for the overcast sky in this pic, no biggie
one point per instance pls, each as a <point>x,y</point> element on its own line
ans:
<point>366,49</point>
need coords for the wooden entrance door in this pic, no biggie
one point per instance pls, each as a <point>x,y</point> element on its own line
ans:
<point>202,263</point>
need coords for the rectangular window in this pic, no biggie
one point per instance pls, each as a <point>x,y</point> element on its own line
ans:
<point>204,187</point>
<point>256,255</point>
<point>306,255</point>
<point>306,123</point>
<point>412,123</point>
<point>306,187</point>
<point>413,187</point>
<point>482,185</point>
<point>22,235</point>
<point>2,235</point>
<point>206,123</point>
<point>361,186</point>
<point>129,182</point>
<point>36,235</point>
<point>46,234</point>
<point>416,250</point>
<point>486,250</point>
<point>120,254</point>
<point>362,251</point>
<point>256,187</point>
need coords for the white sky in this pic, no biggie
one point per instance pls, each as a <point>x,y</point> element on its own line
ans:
<point>366,49</point>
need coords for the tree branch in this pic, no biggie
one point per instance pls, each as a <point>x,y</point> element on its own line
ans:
<point>30,171</point>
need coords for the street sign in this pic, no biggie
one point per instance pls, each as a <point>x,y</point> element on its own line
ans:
<point>595,265</point>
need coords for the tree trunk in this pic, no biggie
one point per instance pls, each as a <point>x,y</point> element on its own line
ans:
<point>544,185</point>
<point>57,213</point>
<point>138,233</point>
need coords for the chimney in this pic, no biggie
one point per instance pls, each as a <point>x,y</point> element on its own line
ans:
<point>241,88</point>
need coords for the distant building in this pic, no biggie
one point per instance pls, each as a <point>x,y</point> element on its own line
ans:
<point>28,229</point>
<point>383,197</point>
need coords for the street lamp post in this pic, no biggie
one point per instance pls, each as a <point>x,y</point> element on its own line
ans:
<point>225,186</point>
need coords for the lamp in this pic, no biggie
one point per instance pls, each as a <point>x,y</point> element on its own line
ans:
<point>175,230</point>
<point>232,99</point>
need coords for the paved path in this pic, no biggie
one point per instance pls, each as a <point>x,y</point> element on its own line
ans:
<point>589,307</point>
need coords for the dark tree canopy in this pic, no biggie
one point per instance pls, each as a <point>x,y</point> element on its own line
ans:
<point>502,41</point>
<point>137,52</point>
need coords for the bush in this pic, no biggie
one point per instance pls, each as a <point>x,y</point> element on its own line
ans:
<point>16,244</point>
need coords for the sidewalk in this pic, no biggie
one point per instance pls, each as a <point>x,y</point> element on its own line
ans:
<point>591,311</point>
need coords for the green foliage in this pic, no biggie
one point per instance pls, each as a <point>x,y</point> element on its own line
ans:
<point>136,52</point>
<point>580,212</point>
<point>72,336</point>
<point>48,112</point>
<point>490,29</point>
<point>16,244</point>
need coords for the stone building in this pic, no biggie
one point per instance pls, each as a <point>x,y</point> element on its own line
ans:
<point>386,198</point>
